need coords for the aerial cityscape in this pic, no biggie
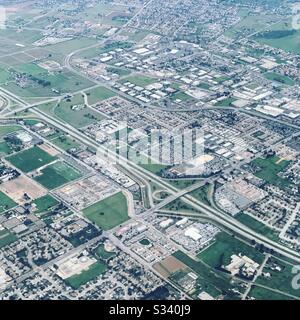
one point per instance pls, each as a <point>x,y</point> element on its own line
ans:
<point>149,150</point>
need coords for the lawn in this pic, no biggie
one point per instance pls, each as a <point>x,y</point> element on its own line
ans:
<point>108,213</point>
<point>99,94</point>
<point>85,276</point>
<point>57,174</point>
<point>279,78</point>
<point>45,203</point>
<point>6,203</point>
<point>269,169</point>
<point>224,247</point>
<point>31,159</point>
<point>6,238</point>
<point>80,117</point>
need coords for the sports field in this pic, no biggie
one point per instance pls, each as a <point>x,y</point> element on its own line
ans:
<point>30,159</point>
<point>109,212</point>
<point>57,174</point>
<point>45,203</point>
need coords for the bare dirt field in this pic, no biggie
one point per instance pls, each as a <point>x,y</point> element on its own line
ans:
<point>16,189</point>
<point>168,266</point>
<point>52,151</point>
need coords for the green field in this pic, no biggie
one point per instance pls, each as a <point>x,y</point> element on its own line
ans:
<point>284,38</point>
<point>109,212</point>
<point>279,78</point>
<point>4,148</point>
<point>4,130</point>
<point>181,96</point>
<point>77,118</point>
<point>181,183</point>
<point>269,169</point>
<point>57,174</point>
<point>43,83</point>
<point>30,159</point>
<point>202,194</point>
<point>226,102</point>
<point>264,294</point>
<point>99,94</point>
<point>209,281</point>
<point>219,253</point>
<point>119,71</point>
<point>66,143</point>
<point>6,238</point>
<point>87,275</point>
<point>280,280</point>
<point>139,80</point>
<point>257,226</point>
<point>6,203</point>
<point>45,203</point>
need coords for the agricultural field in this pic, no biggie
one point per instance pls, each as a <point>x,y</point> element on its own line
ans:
<point>30,159</point>
<point>109,212</point>
<point>56,175</point>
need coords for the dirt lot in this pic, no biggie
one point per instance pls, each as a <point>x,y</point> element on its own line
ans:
<point>16,188</point>
<point>168,266</point>
<point>52,151</point>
